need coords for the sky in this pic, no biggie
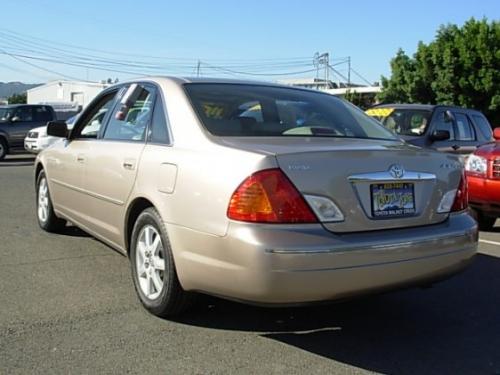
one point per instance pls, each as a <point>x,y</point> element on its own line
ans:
<point>246,39</point>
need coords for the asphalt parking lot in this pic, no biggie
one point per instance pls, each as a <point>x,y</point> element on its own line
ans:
<point>67,305</point>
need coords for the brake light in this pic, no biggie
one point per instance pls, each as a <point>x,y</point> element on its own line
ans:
<point>461,198</point>
<point>268,196</point>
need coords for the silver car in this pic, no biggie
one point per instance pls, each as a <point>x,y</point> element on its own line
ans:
<point>254,192</point>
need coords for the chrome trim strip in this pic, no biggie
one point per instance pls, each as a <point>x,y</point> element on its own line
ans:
<point>339,249</point>
<point>89,193</point>
<point>464,249</point>
<point>386,176</point>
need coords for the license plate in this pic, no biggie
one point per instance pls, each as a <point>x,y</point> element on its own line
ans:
<point>391,200</point>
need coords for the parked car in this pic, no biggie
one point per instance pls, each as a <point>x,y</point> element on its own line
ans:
<point>444,128</point>
<point>255,192</point>
<point>483,174</point>
<point>37,139</point>
<point>15,122</point>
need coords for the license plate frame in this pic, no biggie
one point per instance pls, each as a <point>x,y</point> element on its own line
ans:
<point>391,200</point>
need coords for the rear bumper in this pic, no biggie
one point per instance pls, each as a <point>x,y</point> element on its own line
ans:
<point>287,264</point>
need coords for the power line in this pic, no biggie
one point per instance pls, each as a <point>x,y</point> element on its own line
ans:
<point>38,67</point>
<point>23,71</point>
<point>27,49</point>
<point>360,76</point>
<point>51,44</point>
<point>258,74</point>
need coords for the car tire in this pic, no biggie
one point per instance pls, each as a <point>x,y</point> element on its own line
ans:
<point>46,217</point>
<point>484,222</point>
<point>3,148</point>
<point>153,269</point>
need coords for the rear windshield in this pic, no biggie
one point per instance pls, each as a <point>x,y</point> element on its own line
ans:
<point>402,121</point>
<point>264,111</point>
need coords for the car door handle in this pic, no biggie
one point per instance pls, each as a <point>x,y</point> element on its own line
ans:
<point>129,164</point>
<point>80,158</point>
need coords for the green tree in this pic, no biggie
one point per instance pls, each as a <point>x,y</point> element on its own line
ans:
<point>461,66</point>
<point>17,98</point>
<point>360,100</point>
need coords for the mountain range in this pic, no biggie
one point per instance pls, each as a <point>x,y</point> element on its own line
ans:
<point>9,88</point>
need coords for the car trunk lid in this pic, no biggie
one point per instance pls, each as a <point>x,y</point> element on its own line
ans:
<point>354,172</point>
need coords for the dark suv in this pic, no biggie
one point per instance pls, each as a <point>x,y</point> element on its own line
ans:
<point>444,128</point>
<point>17,120</point>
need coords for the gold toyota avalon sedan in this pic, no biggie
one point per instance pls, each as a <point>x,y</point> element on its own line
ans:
<point>254,192</point>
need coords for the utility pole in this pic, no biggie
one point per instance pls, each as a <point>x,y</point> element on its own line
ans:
<point>349,71</point>
<point>322,60</point>
<point>316,63</point>
<point>198,68</point>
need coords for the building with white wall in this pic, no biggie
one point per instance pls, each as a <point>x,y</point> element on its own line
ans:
<point>74,93</point>
<point>334,88</point>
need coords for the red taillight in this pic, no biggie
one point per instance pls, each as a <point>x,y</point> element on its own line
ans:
<point>268,196</point>
<point>461,198</point>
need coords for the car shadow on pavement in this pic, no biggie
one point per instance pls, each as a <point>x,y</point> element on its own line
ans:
<point>453,327</point>
<point>73,231</point>
<point>17,161</point>
<point>493,230</point>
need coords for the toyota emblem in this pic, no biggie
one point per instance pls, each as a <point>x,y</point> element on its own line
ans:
<point>396,171</point>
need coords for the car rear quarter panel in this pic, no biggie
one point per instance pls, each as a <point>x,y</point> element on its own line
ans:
<point>191,187</point>
<point>191,181</point>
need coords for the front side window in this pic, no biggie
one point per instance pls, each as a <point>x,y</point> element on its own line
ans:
<point>132,114</point>
<point>6,114</point>
<point>94,117</point>
<point>443,122</point>
<point>265,111</point>
<point>402,121</point>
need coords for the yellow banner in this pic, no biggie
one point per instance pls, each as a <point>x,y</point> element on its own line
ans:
<point>379,112</point>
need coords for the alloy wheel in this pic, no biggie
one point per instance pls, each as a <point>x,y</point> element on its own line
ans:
<point>150,262</point>
<point>43,200</point>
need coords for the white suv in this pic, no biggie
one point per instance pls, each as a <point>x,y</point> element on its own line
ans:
<point>38,140</point>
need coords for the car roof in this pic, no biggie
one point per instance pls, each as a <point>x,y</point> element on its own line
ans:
<point>183,80</point>
<point>22,105</point>
<point>11,105</point>
<point>428,107</point>
<point>423,107</point>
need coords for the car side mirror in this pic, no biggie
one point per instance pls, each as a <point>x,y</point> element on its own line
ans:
<point>440,135</point>
<point>57,129</point>
<point>496,133</point>
<point>15,119</point>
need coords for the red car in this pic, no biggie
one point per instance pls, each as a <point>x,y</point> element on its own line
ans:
<point>483,176</point>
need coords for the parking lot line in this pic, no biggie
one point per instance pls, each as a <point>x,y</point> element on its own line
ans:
<point>490,242</point>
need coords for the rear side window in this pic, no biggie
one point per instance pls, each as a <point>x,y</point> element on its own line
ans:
<point>42,114</point>
<point>266,111</point>
<point>159,130</point>
<point>484,126</point>
<point>464,128</point>
<point>24,114</point>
